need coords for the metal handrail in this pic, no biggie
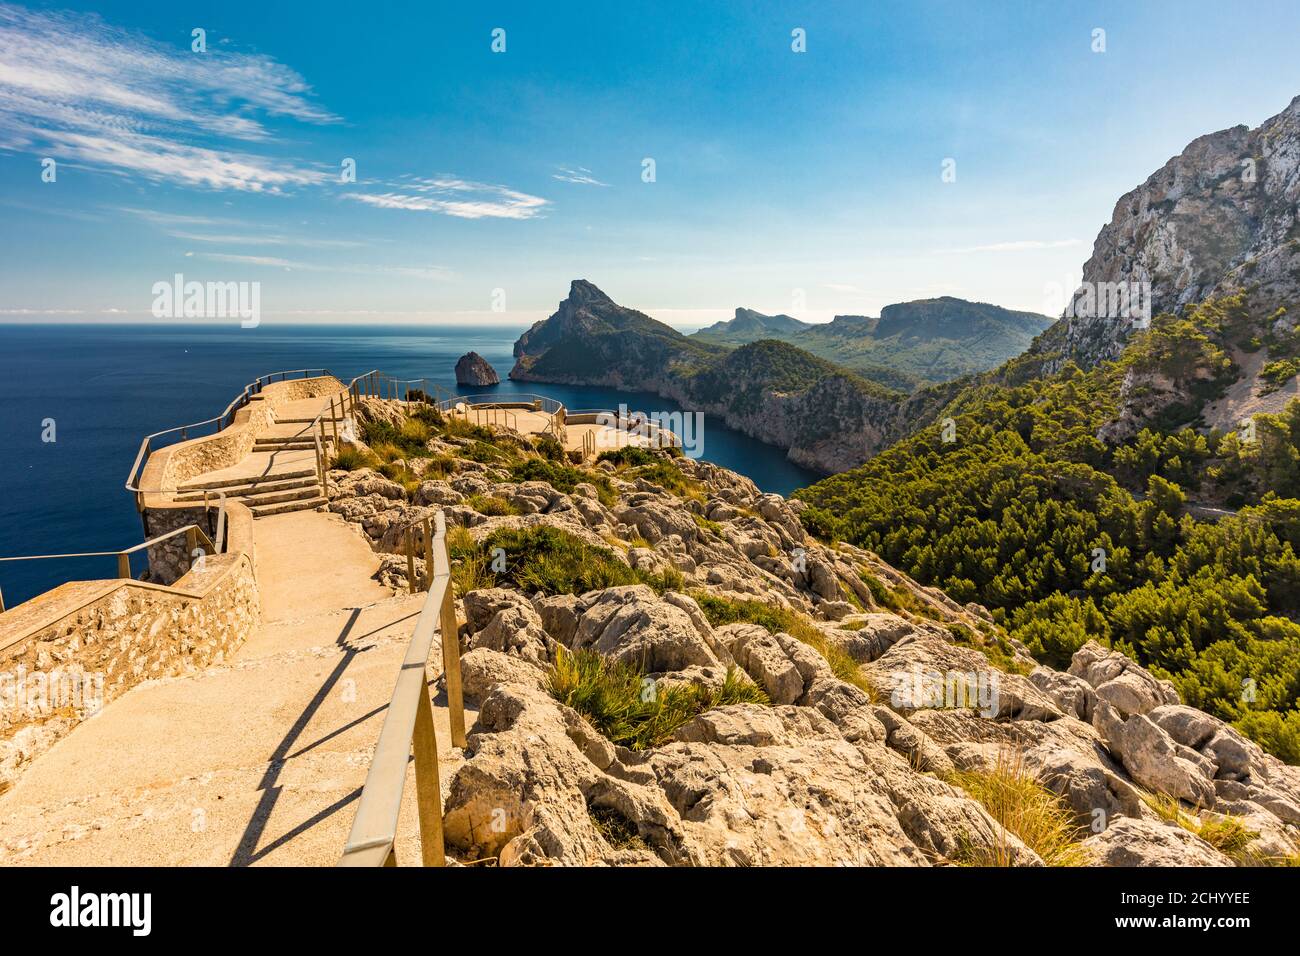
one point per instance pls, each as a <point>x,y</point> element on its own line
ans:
<point>239,401</point>
<point>194,535</point>
<point>409,725</point>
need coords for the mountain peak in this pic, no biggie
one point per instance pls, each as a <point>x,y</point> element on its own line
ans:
<point>584,292</point>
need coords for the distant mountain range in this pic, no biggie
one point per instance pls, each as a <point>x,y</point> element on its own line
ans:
<point>826,416</point>
<point>910,344</point>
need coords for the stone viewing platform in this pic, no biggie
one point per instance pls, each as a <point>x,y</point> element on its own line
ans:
<point>242,691</point>
<point>243,684</point>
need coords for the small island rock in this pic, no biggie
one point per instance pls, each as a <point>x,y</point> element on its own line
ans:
<point>473,369</point>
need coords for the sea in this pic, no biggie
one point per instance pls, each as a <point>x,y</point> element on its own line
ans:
<point>97,389</point>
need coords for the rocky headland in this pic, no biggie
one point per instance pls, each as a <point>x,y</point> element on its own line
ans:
<point>827,417</point>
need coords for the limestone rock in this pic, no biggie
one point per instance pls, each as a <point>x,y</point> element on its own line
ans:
<point>1119,681</point>
<point>473,369</point>
<point>1130,842</point>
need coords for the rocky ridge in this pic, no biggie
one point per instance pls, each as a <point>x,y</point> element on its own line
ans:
<point>829,771</point>
<point>826,417</point>
<point>1218,218</point>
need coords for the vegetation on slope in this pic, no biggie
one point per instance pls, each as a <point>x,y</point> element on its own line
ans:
<point>1068,539</point>
<point>1026,808</point>
<point>912,343</point>
<point>632,710</point>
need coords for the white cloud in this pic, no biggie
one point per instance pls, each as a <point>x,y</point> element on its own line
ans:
<point>83,91</point>
<point>844,288</point>
<point>273,261</point>
<point>576,174</point>
<point>460,198</point>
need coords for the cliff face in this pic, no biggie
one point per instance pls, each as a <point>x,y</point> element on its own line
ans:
<point>1218,218</point>
<point>827,418</point>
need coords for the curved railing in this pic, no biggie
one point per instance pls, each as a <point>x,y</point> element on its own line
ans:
<point>149,444</point>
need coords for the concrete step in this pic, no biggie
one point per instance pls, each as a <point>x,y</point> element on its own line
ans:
<point>307,421</point>
<point>251,490</point>
<point>303,504</point>
<point>287,444</point>
<point>310,490</point>
<point>224,483</point>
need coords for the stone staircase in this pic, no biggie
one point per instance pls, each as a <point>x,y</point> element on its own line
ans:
<point>281,485</point>
<point>270,494</point>
<point>256,760</point>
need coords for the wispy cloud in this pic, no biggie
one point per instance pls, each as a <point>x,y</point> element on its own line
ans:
<point>430,273</point>
<point>845,288</point>
<point>576,174</point>
<point>1018,246</point>
<point>267,240</point>
<point>83,91</point>
<point>460,198</point>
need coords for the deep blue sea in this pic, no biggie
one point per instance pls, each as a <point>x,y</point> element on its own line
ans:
<point>107,386</point>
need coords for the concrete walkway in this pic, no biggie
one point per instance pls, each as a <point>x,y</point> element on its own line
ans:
<point>259,760</point>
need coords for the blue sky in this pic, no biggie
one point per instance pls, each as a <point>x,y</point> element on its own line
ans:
<point>799,182</point>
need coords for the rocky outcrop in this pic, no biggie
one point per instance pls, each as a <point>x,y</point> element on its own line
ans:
<point>1218,218</point>
<point>473,369</point>
<point>827,771</point>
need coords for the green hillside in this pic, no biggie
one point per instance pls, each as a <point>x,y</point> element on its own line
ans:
<point>1020,509</point>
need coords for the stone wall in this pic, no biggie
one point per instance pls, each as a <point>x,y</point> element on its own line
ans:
<point>170,560</point>
<point>66,654</point>
<point>174,465</point>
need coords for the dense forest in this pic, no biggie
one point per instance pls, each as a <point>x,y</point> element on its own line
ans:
<point>1010,499</point>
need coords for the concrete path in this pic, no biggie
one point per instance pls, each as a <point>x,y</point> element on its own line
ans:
<point>259,760</point>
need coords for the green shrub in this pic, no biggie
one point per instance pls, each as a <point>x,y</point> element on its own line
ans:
<point>408,441</point>
<point>667,578</point>
<point>351,458</point>
<point>491,505</point>
<point>630,711</point>
<point>563,478</point>
<point>670,478</point>
<point>553,561</point>
<point>456,427</point>
<point>549,447</point>
<point>630,455</point>
<point>704,524</point>
<point>720,611</point>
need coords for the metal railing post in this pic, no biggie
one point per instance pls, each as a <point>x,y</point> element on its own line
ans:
<point>320,464</point>
<point>428,554</point>
<point>450,639</point>
<point>428,788</point>
<point>411,584</point>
